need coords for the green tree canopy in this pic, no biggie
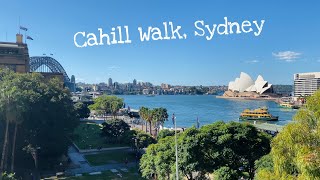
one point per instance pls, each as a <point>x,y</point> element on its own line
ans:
<point>105,105</point>
<point>115,130</point>
<point>143,139</point>
<point>41,113</point>
<point>235,146</point>
<point>159,116</point>
<point>155,117</point>
<point>296,149</point>
<point>225,173</point>
<point>82,110</point>
<point>164,133</point>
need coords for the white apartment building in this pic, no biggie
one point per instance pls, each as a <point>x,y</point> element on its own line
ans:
<point>305,84</point>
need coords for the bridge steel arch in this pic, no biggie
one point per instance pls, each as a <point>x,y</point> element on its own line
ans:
<point>52,64</point>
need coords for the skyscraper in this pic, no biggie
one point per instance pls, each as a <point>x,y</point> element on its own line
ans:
<point>305,84</point>
<point>73,84</point>
<point>110,84</point>
<point>73,79</point>
<point>134,83</point>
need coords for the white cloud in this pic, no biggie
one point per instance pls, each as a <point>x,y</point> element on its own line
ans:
<point>252,61</point>
<point>113,68</point>
<point>287,56</point>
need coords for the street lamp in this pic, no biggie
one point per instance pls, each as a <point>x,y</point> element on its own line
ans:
<point>176,144</point>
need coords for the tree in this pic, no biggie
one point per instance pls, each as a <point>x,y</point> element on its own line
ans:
<point>143,112</point>
<point>164,133</point>
<point>82,110</point>
<point>14,102</point>
<point>158,161</point>
<point>189,154</point>
<point>41,113</point>
<point>265,162</point>
<point>296,149</point>
<point>115,130</point>
<point>147,162</point>
<point>226,147</point>
<point>107,105</point>
<point>154,116</point>
<point>143,139</point>
<point>7,176</point>
<point>235,145</point>
<point>159,115</point>
<point>225,173</point>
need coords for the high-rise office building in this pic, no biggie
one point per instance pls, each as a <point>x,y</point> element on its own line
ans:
<point>72,85</point>
<point>134,82</point>
<point>110,84</point>
<point>305,84</point>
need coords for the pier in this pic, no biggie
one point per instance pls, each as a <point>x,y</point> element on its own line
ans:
<point>272,129</point>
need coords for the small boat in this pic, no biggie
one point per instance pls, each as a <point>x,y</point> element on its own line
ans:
<point>257,114</point>
<point>296,107</point>
<point>286,105</point>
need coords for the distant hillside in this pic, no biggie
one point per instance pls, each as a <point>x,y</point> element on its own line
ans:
<point>283,89</point>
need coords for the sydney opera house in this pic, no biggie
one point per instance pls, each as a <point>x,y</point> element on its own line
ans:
<point>244,86</point>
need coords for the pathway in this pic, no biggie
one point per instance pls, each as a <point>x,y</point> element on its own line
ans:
<point>82,165</point>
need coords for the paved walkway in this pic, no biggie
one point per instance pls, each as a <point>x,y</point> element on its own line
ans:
<point>82,165</point>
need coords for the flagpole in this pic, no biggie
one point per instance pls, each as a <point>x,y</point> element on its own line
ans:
<point>175,134</point>
<point>19,25</point>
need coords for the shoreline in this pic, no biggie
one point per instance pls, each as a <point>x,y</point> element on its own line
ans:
<point>248,98</point>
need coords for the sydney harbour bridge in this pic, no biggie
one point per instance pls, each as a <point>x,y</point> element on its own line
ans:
<point>46,64</point>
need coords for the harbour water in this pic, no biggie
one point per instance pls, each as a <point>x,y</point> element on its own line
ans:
<point>207,108</point>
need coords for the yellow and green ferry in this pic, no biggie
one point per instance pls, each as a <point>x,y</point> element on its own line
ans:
<point>257,114</point>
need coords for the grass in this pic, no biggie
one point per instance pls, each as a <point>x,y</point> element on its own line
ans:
<point>118,156</point>
<point>108,175</point>
<point>87,136</point>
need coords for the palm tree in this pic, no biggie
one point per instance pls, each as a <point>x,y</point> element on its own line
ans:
<point>147,115</point>
<point>149,118</point>
<point>143,114</point>
<point>160,115</point>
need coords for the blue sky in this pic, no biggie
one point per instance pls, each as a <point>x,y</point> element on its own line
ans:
<point>289,42</point>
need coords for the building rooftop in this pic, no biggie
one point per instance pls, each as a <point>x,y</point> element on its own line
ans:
<point>308,75</point>
<point>269,127</point>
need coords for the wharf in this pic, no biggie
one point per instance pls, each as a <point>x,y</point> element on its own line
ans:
<point>272,129</point>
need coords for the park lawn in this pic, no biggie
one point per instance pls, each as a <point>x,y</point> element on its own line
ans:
<point>87,136</point>
<point>108,175</point>
<point>118,156</point>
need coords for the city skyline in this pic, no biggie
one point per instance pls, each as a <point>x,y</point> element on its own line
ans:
<point>284,47</point>
<point>137,82</point>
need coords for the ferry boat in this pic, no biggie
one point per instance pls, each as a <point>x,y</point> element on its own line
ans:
<point>257,114</point>
<point>286,105</point>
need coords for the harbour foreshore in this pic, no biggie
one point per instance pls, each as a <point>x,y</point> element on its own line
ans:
<point>250,98</point>
<point>271,129</point>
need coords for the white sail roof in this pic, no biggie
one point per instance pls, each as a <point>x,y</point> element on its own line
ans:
<point>245,84</point>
